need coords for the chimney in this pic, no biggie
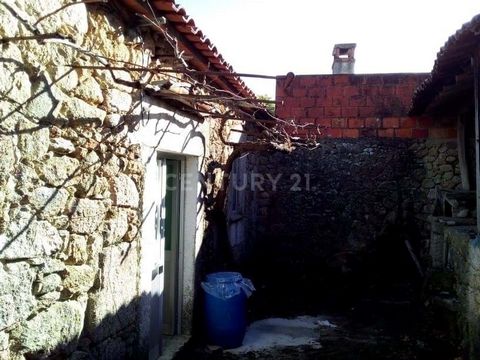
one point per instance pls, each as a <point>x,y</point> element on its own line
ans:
<point>343,59</point>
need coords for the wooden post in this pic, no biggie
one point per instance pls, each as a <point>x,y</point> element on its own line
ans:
<point>462,156</point>
<point>476,77</point>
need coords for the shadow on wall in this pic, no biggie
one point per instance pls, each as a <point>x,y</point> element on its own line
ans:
<point>114,337</point>
<point>345,235</point>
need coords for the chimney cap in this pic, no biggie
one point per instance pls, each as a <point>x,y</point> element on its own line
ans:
<point>344,47</point>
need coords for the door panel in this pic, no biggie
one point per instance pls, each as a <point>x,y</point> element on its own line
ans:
<point>171,246</point>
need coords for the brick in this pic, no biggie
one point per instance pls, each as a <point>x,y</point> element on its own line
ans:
<point>325,80</point>
<point>425,122</point>
<point>307,102</point>
<point>339,123</point>
<point>390,122</point>
<point>366,111</point>
<point>324,123</point>
<point>368,132</point>
<point>335,92</point>
<point>385,132</point>
<point>298,112</point>
<point>316,92</point>
<point>306,121</point>
<point>335,133</point>
<point>403,133</point>
<point>340,101</point>
<point>350,91</point>
<point>341,79</point>
<point>420,133</point>
<point>333,111</point>
<point>323,100</point>
<point>357,100</point>
<point>373,79</point>
<point>316,112</point>
<point>373,122</point>
<point>350,111</point>
<point>299,92</point>
<point>408,122</point>
<point>452,133</point>
<point>356,123</point>
<point>351,133</point>
<point>308,81</point>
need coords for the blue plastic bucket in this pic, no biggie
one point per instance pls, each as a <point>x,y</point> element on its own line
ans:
<point>225,309</point>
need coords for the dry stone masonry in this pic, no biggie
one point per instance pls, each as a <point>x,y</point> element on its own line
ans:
<point>70,182</point>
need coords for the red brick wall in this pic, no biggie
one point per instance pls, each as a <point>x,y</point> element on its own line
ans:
<point>351,106</point>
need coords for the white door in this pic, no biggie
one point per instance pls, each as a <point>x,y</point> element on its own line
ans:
<point>156,310</point>
<point>165,302</point>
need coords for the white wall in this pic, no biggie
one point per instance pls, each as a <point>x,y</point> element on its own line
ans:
<point>165,132</point>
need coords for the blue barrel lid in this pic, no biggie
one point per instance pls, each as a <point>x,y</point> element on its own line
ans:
<point>224,277</point>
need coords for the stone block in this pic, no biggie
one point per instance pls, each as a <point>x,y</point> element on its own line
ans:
<point>116,227</point>
<point>16,300</point>
<point>77,249</point>
<point>117,101</point>
<point>28,238</point>
<point>49,283</point>
<point>48,201</point>
<point>87,215</point>
<point>81,112</point>
<point>61,146</point>
<point>79,278</point>
<point>112,307</point>
<point>124,191</point>
<point>90,91</point>
<point>58,328</point>
<point>59,171</point>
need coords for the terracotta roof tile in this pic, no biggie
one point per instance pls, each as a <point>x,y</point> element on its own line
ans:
<point>185,25</point>
<point>452,59</point>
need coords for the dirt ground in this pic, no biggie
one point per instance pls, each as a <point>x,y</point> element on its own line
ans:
<point>378,328</point>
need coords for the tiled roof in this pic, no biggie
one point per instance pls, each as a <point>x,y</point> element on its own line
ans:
<point>452,69</point>
<point>203,54</point>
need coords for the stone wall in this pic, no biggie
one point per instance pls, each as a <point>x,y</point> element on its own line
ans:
<point>329,221</point>
<point>71,181</point>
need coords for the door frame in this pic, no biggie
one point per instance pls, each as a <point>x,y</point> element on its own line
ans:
<point>181,238</point>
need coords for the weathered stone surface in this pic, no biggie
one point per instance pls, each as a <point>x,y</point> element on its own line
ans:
<point>16,300</point>
<point>28,238</point>
<point>124,191</point>
<point>48,201</point>
<point>90,91</point>
<point>3,340</point>
<point>48,283</point>
<point>111,166</point>
<point>49,265</point>
<point>87,216</point>
<point>79,278</point>
<point>117,101</point>
<point>59,171</point>
<point>112,120</point>
<point>117,281</point>
<point>59,327</point>
<point>45,101</point>
<point>33,139</point>
<point>7,155</point>
<point>77,249</point>
<point>113,348</point>
<point>79,111</point>
<point>116,227</point>
<point>27,178</point>
<point>61,146</point>
<point>14,80</point>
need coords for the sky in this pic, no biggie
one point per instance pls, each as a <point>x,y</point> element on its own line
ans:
<point>273,37</point>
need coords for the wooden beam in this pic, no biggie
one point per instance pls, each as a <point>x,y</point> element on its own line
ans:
<point>476,77</point>
<point>462,156</point>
